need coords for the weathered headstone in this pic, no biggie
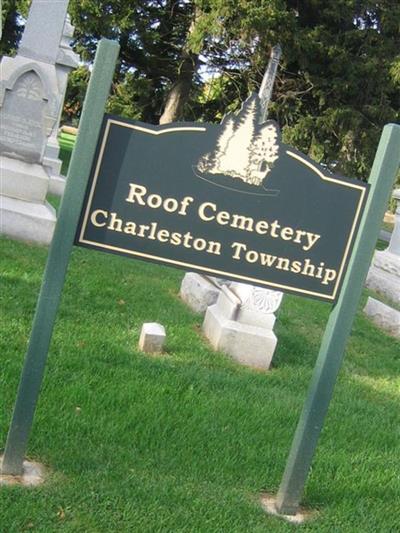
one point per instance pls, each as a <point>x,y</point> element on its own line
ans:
<point>66,61</point>
<point>199,291</point>
<point>384,316</point>
<point>152,337</point>
<point>241,324</point>
<point>29,107</point>
<point>394,245</point>
<point>384,278</point>
<point>384,274</point>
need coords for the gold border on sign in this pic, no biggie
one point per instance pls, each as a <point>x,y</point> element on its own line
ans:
<point>200,129</point>
<point>355,221</point>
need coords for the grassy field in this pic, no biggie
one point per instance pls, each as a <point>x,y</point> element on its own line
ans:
<point>187,441</point>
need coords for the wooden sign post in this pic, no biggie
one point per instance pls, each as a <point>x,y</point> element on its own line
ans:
<point>58,258</point>
<point>383,174</point>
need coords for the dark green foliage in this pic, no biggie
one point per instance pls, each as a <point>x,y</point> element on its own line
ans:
<point>338,83</point>
<point>13,24</point>
<point>344,52</point>
<point>77,84</point>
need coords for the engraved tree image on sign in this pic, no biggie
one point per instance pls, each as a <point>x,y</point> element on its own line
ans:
<point>245,150</point>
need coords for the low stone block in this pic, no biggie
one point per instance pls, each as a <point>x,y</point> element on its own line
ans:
<point>57,185</point>
<point>384,275</point>
<point>228,304</point>
<point>53,164</point>
<point>27,221</point>
<point>249,345</point>
<point>23,181</point>
<point>383,316</point>
<point>256,318</point>
<point>388,262</point>
<point>152,337</point>
<point>198,292</point>
<point>384,283</point>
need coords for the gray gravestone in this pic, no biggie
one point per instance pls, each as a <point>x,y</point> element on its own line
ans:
<point>42,35</point>
<point>30,100</point>
<point>384,274</point>
<point>394,244</point>
<point>384,278</point>
<point>66,61</point>
<point>241,324</point>
<point>22,133</point>
<point>384,316</point>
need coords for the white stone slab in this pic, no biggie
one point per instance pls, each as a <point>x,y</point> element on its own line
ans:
<point>388,262</point>
<point>198,292</point>
<point>52,147</point>
<point>57,185</point>
<point>254,318</point>
<point>394,245</point>
<point>23,181</point>
<point>152,337</point>
<point>27,221</point>
<point>228,303</point>
<point>383,316</point>
<point>249,345</point>
<point>53,164</point>
<point>384,283</point>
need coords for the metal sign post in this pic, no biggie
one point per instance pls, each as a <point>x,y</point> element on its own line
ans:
<point>58,258</point>
<point>383,174</point>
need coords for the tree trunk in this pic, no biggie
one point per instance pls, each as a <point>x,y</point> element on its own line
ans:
<point>179,93</point>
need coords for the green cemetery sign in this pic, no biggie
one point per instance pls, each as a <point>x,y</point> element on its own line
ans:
<point>229,200</point>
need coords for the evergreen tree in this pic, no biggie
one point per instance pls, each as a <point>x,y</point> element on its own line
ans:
<point>12,12</point>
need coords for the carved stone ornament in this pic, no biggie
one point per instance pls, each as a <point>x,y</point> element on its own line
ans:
<point>256,298</point>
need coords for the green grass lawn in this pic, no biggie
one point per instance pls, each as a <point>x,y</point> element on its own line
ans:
<point>187,441</point>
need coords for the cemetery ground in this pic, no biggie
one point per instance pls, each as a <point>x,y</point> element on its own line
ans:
<point>187,440</point>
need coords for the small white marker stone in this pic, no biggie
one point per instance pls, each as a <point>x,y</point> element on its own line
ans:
<point>152,337</point>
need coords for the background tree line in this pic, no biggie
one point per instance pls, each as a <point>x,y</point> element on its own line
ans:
<point>337,85</point>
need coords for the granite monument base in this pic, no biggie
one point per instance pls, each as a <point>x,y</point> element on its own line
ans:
<point>383,316</point>
<point>57,185</point>
<point>53,165</point>
<point>384,275</point>
<point>24,181</point>
<point>232,330</point>
<point>27,221</point>
<point>51,159</point>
